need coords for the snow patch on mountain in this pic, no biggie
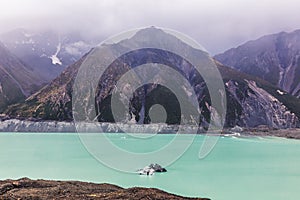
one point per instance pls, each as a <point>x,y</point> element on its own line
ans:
<point>54,58</point>
<point>280,92</point>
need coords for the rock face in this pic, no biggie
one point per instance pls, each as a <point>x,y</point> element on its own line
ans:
<point>259,107</point>
<point>17,80</point>
<point>43,189</point>
<point>47,52</point>
<point>250,101</point>
<point>274,58</point>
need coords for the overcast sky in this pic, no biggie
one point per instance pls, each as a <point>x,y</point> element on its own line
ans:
<point>215,24</point>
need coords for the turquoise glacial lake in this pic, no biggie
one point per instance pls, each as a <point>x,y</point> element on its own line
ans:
<point>237,168</point>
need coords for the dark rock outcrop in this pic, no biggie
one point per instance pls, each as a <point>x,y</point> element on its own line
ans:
<point>157,168</point>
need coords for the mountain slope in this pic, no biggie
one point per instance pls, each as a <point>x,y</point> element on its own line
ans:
<point>250,101</point>
<point>274,58</point>
<point>10,92</point>
<point>47,52</point>
<point>17,80</point>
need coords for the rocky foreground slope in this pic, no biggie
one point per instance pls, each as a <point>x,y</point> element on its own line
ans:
<point>67,190</point>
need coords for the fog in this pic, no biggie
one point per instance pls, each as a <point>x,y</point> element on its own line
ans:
<point>216,24</point>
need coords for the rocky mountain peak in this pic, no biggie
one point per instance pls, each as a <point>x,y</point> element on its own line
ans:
<point>248,97</point>
<point>274,58</point>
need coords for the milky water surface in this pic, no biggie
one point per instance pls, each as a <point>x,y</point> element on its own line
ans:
<point>237,168</point>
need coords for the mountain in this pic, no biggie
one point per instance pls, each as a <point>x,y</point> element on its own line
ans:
<point>47,52</point>
<point>250,101</point>
<point>274,58</point>
<point>17,80</point>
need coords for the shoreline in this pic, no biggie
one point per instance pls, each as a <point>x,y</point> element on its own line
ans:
<point>26,188</point>
<point>16,125</point>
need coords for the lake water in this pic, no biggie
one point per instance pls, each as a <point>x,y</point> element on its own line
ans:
<point>237,168</point>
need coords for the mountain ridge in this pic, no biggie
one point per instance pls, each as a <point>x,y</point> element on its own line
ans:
<point>47,52</point>
<point>17,80</point>
<point>274,58</point>
<point>245,96</point>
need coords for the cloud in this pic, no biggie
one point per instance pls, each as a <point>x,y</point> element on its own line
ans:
<point>216,24</point>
